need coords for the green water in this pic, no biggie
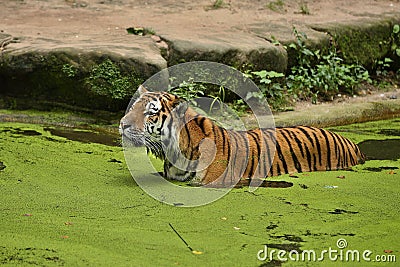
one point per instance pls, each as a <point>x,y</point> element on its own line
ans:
<point>74,203</point>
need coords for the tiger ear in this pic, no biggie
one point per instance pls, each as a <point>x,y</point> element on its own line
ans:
<point>142,90</point>
<point>180,107</point>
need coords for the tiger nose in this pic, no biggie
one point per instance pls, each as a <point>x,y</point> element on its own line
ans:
<point>122,126</point>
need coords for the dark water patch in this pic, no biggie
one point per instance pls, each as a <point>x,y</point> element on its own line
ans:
<point>379,169</point>
<point>340,234</point>
<point>272,263</point>
<point>115,161</point>
<point>303,186</point>
<point>286,247</point>
<point>290,238</point>
<point>390,132</point>
<point>30,256</point>
<point>271,227</point>
<point>388,149</point>
<point>20,131</point>
<point>276,184</point>
<point>2,166</point>
<point>308,233</point>
<point>85,136</point>
<point>340,211</point>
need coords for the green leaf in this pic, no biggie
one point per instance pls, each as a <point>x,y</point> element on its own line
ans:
<point>260,74</point>
<point>396,29</point>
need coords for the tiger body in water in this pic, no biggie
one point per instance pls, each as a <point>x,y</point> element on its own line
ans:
<point>181,137</point>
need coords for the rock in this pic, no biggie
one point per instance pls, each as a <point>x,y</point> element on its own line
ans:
<point>282,33</point>
<point>56,70</point>
<point>364,40</point>
<point>234,49</point>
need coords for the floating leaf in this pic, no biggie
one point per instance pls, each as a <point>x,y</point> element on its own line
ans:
<point>68,223</point>
<point>331,186</point>
<point>396,28</point>
<point>27,215</point>
<point>64,237</point>
<point>388,251</point>
<point>341,177</point>
<point>224,218</point>
<point>197,252</point>
<point>236,228</point>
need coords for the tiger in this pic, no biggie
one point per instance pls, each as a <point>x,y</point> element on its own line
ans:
<point>195,148</point>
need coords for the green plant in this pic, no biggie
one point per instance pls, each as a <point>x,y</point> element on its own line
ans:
<point>140,31</point>
<point>69,70</point>
<point>106,79</point>
<point>304,8</point>
<point>395,38</point>
<point>382,66</point>
<point>277,6</point>
<point>271,85</point>
<point>188,90</point>
<point>218,4</point>
<point>322,75</point>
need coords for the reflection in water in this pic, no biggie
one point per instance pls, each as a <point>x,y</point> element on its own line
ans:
<point>85,136</point>
<point>388,149</point>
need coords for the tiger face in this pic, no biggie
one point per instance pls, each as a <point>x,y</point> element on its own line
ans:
<point>145,121</point>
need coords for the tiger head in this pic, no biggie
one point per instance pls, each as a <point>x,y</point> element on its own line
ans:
<point>149,118</point>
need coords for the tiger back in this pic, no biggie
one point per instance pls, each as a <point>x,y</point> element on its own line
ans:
<point>195,148</point>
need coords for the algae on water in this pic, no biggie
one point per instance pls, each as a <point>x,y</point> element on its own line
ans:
<point>70,203</point>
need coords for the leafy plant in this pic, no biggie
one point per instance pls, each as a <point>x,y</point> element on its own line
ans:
<point>322,75</point>
<point>382,66</point>
<point>276,6</point>
<point>217,5</point>
<point>69,70</point>
<point>304,8</point>
<point>395,36</point>
<point>271,84</point>
<point>140,31</point>
<point>106,79</point>
<point>189,89</point>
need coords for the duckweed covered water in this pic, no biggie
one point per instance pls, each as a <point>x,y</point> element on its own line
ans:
<point>70,203</point>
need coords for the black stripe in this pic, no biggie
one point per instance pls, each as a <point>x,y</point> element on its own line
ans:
<point>269,160</point>
<point>306,148</point>
<point>255,157</point>
<point>251,160</point>
<point>318,145</point>
<point>233,163</point>
<point>328,150</point>
<point>281,158</point>
<point>225,142</point>
<point>295,159</point>
<point>337,152</point>
<point>344,151</point>
<point>200,122</point>
<point>246,146</point>
<point>351,146</point>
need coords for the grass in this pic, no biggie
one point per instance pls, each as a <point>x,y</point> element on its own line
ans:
<point>68,203</point>
<point>277,6</point>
